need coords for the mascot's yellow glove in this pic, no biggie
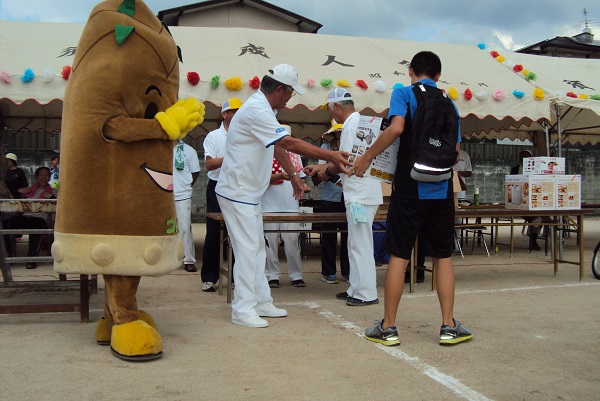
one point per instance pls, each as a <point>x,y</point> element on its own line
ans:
<point>181,118</point>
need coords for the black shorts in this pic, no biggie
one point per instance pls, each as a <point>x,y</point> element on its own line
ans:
<point>432,220</point>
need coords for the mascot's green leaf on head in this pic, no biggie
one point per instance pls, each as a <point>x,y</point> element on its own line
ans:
<point>116,213</point>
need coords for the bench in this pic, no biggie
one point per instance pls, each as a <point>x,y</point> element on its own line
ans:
<point>86,284</point>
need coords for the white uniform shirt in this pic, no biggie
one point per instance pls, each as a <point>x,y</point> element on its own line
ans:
<point>214,146</point>
<point>247,163</point>
<point>464,164</point>
<point>182,179</point>
<point>365,190</point>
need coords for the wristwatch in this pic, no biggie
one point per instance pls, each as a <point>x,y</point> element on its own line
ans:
<point>327,172</point>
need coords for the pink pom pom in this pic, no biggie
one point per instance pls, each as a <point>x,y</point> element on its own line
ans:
<point>4,77</point>
<point>498,95</point>
<point>310,83</point>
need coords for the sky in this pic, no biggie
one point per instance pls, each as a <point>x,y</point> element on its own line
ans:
<point>499,24</point>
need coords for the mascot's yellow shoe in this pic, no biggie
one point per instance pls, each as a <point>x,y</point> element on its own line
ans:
<point>136,341</point>
<point>104,327</point>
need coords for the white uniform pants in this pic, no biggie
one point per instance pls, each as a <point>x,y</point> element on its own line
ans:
<point>291,246</point>
<point>363,278</point>
<point>183,209</point>
<point>245,227</point>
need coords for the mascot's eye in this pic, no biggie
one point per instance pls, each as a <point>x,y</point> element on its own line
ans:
<point>151,111</point>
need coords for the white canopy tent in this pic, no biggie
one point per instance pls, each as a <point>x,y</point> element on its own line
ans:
<point>576,119</point>
<point>246,53</point>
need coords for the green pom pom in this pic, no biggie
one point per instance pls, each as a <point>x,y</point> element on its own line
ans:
<point>531,76</point>
<point>326,82</point>
<point>595,97</point>
<point>214,81</point>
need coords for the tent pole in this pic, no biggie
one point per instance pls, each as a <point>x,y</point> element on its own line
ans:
<point>558,110</point>
<point>547,138</point>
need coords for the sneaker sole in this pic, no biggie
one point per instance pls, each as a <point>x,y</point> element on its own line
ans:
<point>456,340</point>
<point>389,343</point>
<point>366,303</point>
<point>330,282</point>
<point>243,323</point>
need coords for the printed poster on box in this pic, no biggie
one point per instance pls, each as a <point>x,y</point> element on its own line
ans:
<point>383,166</point>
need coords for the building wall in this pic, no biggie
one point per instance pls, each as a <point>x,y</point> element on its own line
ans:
<point>237,17</point>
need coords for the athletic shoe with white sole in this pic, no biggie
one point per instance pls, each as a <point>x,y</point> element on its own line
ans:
<point>377,334</point>
<point>331,279</point>
<point>208,286</point>
<point>454,335</point>
<point>267,309</point>
<point>252,321</point>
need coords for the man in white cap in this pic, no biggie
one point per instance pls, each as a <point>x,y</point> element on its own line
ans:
<point>362,197</point>
<point>214,150</point>
<point>253,139</point>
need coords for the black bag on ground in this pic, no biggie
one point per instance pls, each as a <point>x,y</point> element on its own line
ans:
<point>434,134</point>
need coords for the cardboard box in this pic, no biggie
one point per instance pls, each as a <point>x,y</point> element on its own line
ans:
<point>568,192</point>
<point>530,192</point>
<point>544,165</point>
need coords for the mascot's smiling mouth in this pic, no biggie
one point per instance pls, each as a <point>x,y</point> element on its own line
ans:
<point>163,180</point>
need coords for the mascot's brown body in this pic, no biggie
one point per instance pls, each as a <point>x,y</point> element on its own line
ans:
<point>116,213</point>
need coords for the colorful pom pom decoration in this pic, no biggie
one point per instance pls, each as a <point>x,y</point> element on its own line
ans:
<point>494,53</point>
<point>453,93</point>
<point>342,83</point>
<point>27,76</point>
<point>481,46</point>
<point>468,94</point>
<point>498,95</point>
<point>481,96</point>
<point>66,72</point>
<point>193,78</point>
<point>572,94</point>
<point>4,77</point>
<point>254,83</point>
<point>234,83</point>
<point>310,83</point>
<point>326,82</point>
<point>398,85</point>
<point>518,94</point>
<point>595,97</point>
<point>380,86</point>
<point>583,96</point>
<point>48,75</point>
<point>501,59</point>
<point>518,68</point>
<point>214,81</point>
<point>538,94</point>
<point>530,76</point>
<point>525,71</point>
<point>361,84</point>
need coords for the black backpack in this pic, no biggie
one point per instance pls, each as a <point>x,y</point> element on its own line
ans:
<point>434,134</point>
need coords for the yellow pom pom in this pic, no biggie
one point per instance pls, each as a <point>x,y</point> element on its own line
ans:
<point>234,83</point>
<point>453,93</point>
<point>501,59</point>
<point>524,71</point>
<point>538,94</point>
<point>584,96</point>
<point>343,83</point>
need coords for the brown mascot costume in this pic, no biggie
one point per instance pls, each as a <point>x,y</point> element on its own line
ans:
<point>116,212</point>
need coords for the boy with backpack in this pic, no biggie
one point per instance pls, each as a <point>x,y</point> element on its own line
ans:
<point>422,202</point>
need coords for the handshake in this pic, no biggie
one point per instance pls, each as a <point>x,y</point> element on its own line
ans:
<point>181,118</point>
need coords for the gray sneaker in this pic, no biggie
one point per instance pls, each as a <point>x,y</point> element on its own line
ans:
<point>454,335</point>
<point>207,286</point>
<point>377,334</point>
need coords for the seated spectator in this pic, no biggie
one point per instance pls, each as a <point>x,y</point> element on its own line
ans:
<point>40,190</point>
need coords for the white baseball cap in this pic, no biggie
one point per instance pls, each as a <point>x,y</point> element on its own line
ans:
<point>232,103</point>
<point>287,75</point>
<point>11,156</point>
<point>336,95</point>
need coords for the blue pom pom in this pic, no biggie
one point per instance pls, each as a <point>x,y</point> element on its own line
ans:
<point>481,46</point>
<point>398,85</point>
<point>28,76</point>
<point>518,94</point>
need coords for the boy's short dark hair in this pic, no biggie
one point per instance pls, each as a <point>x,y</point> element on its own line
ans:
<point>427,63</point>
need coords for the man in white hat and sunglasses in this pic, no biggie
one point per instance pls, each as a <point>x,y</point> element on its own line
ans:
<point>254,138</point>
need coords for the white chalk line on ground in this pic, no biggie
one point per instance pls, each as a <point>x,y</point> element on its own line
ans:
<point>445,380</point>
